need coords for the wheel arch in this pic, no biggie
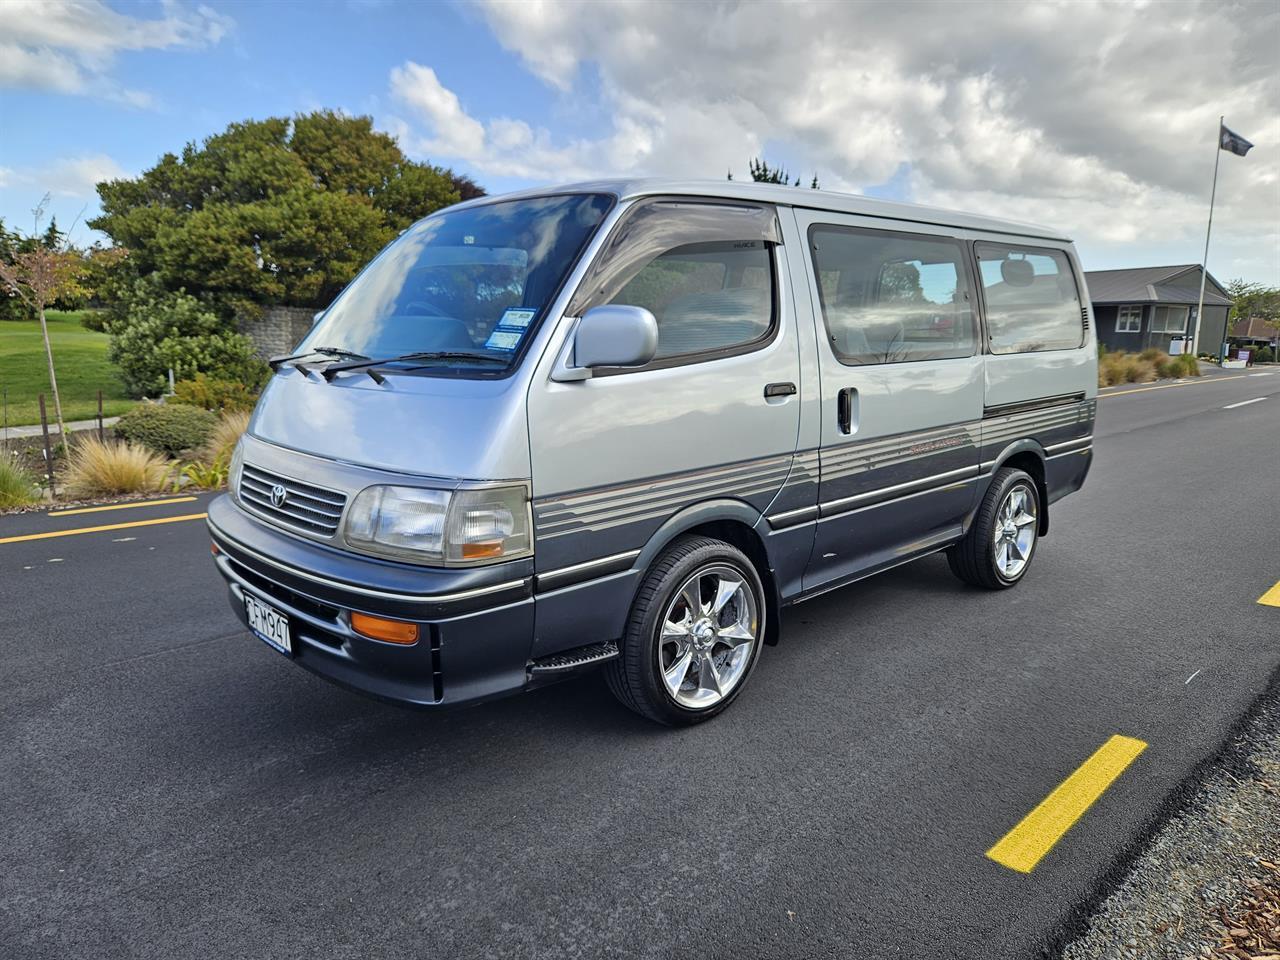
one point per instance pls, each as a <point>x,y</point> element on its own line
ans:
<point>1028,456</point>
<point>732,521</point>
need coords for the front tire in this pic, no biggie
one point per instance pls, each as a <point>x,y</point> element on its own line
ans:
<point>693,636</point>
<point>997,550</point>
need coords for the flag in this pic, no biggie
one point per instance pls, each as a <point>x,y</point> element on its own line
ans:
<point>1232,141</point>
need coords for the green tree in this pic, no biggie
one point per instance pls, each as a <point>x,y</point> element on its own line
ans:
<point>272,211</point>
<point>761,172</point>
<point>165,330</point>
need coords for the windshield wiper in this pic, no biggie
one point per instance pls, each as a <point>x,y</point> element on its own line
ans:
<point>368,365</point>
<point>276,362</point>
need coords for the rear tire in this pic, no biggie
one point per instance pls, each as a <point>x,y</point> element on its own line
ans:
<point>996,552</point>
<point>693,636</point>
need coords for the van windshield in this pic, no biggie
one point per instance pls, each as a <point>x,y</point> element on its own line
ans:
<point>470,283</point>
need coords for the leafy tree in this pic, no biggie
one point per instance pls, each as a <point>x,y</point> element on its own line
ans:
<point>272,211</point>
<point>38,274</point>
<point>166,330</point>
<point>1251,301</point>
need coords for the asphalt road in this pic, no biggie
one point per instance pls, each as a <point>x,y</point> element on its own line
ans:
<point>172,788</point>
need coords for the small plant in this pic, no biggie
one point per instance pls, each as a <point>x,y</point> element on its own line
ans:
<point>17,486</point>
<point>167,428</point>
<point>99,468</point>
<point>220,396</point>
<point>208,476</point>
<point>222,441</point>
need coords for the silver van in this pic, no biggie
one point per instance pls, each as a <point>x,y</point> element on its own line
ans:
<point>627,424</point>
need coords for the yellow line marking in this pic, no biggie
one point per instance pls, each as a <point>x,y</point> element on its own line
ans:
<point>1023,847</point>
<point>110,526</point>
<point>1170,386</point>
<point>119,506</point>
<point>1272,597</point>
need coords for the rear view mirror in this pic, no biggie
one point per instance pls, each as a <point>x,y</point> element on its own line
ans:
<point>615,335</point>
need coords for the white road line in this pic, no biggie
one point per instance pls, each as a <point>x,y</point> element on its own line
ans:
<point>1267,374</point>
<point>123,539</point>
<point>1243,403</point>
<point>1192,677</point>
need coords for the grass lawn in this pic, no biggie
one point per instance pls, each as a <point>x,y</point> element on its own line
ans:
<point>80,359</point>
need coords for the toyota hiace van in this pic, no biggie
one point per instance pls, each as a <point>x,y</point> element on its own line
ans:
<point>628,424</point>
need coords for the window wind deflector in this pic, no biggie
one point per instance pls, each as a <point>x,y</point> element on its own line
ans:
<point>276,362</point>
<point>369,366</point>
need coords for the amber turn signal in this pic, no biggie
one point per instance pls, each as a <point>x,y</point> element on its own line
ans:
<point>377,628</point>
<point>481,551</point>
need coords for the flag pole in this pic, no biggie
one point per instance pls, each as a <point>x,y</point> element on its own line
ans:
<point>1204,262</point>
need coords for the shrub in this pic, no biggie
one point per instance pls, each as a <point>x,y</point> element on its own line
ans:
<point>17,486</point>
<point>1264,356</point>
<point>1125,368</point>
<point>99,468</point>
<point>160,330</point>
<point>210,476</point>
<point>167,428</point>
<point>222,440</point>
<point>220,396</point>
<point>1153,354</point>
<point>1186,365</point>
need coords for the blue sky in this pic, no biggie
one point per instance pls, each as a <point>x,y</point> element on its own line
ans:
<point>1029,118</point>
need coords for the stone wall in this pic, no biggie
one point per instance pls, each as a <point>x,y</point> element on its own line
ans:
<point>278,330</point>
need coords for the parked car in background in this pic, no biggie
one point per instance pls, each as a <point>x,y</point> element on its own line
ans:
<point>628,424</point>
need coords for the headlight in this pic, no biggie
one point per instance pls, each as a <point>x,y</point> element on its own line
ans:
<point>458,527</point>
<point>233,471</point>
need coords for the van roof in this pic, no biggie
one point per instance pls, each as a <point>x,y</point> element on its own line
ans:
<point>803,197</point>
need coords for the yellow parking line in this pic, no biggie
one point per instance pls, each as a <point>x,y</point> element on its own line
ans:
<point>110,526</point>
<point>119,506</point>
<point>1272,597</point>
<point>1170,386</point>
<point>1023,847</point>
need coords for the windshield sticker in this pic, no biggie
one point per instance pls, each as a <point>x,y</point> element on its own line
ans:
<point>516,318</point>
<point>503,340</point>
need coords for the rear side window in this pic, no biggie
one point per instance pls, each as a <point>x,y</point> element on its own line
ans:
<point>892,297</point>
<point>1031,297</point>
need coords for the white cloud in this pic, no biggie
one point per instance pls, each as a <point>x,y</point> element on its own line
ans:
<point>69,46</point>
<point>75,177</point>
<point>1096,117</point>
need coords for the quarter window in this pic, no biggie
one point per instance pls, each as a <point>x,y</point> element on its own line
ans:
<point>1031,298</point>
<point>1169,319</point>
<point>892,297</point>
<point>1129,320</point>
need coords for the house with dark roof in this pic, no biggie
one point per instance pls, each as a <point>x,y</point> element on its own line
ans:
<point>1145,307</point>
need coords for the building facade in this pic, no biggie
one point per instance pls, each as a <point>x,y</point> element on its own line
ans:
<point>1145,307</point>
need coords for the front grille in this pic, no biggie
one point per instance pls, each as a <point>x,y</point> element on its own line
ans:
<point>307,508</point>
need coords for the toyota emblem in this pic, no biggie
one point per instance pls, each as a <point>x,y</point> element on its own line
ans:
<point>278,495</point>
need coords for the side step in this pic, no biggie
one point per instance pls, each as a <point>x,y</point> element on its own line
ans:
<point>579,658</point>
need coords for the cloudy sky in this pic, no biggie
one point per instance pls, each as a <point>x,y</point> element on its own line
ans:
<point>1098,117</point>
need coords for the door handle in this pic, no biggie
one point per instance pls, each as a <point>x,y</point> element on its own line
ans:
<point>779,390</point>
<point>846,399</point>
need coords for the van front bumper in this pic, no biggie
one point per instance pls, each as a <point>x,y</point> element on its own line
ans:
<point>475,625</point>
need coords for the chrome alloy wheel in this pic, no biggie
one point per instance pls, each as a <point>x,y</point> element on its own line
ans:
<point>1015,533</point>
<point>708,636</point>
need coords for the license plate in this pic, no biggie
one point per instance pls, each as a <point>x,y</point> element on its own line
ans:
<point>269,624</point>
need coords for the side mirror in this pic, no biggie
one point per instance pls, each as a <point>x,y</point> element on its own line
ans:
<point>615,335</point>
